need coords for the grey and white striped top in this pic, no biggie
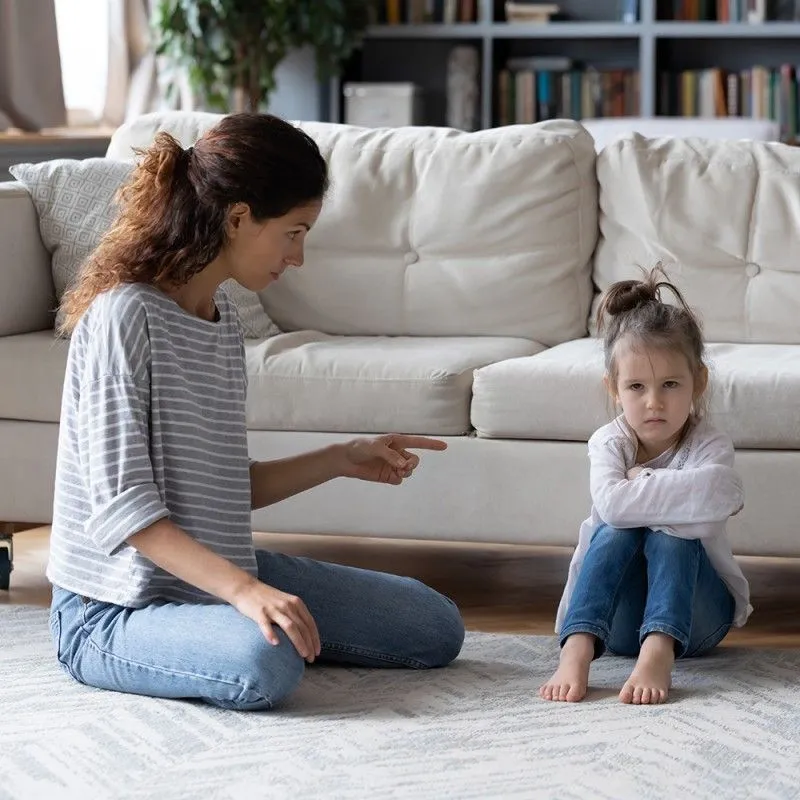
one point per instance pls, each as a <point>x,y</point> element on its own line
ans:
<point>152,425</point>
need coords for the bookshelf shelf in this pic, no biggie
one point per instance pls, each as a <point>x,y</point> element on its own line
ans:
<point>460,30</point>
<point>565,30</point>
<point>591,36</point>
<point>727,30</point>
<point>589,30</point>
<point>505,30</point>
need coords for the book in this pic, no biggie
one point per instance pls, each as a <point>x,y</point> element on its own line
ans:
<point>539,63</point>
<point>530,12</point>
<point>629,11</point>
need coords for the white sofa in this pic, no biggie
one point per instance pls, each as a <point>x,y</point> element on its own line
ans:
<point>606,129</point>
<point>447,291</point>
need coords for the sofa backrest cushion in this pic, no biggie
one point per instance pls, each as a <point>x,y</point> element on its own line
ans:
<point>723,217</point>
<point>432,231</point>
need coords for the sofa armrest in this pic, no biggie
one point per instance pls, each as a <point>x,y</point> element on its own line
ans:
<point>27,296</point>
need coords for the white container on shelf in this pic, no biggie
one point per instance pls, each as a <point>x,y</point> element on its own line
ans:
<point>382,105</point>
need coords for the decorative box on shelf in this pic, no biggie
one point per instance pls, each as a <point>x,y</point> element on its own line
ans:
<point>382,105</point>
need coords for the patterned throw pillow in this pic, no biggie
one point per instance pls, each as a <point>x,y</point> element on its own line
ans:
<point>75,204</point>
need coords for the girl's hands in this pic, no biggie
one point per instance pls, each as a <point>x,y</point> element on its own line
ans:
<point>384,459</point>
<point>633,472</point>
<point>266,606</point>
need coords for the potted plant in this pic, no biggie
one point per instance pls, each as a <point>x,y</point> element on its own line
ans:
<point>232,48</point>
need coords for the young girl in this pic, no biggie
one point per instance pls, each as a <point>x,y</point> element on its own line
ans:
<point>157,587</point>
<point>653,574</point>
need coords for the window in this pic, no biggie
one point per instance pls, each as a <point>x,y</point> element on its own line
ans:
<point>83,45</point>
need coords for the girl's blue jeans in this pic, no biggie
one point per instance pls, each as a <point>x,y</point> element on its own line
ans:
<point>636,581</point>
<point>214,653</point>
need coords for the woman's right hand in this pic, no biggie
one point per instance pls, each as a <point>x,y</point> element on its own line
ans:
<point>266,606</point>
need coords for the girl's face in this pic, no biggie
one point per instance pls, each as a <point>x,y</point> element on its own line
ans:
<point>656,389</point>
<point>259,252</point>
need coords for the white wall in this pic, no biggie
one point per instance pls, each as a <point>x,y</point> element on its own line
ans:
<point>298,96</point>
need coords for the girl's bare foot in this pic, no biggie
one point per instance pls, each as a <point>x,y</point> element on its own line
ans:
<point>571,679</point>
<point>652,676</point>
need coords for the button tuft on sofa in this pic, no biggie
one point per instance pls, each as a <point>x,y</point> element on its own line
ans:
<point>751,269</point>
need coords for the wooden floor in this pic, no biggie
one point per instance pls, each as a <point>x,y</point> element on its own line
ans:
<point>499,588</point>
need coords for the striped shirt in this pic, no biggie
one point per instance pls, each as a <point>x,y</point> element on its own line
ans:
<point>152,426</point>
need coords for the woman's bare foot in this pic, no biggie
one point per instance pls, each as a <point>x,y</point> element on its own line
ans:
<point>652,676</point>
<point>571,679</point>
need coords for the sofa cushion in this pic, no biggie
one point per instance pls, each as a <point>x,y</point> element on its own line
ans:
<point>310,381</point>
<point>436,232</point>
<point>32,367</point>
<point>26,282</point>
<point>559,394</point>
<point>722,216</point>
<point>607,129</point>
<point>556,394</point>
<point>303,381</point>
<point>75,204</point>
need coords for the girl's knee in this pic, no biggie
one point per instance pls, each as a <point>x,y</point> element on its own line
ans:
<point>666,540</point>
<point>608,533</point>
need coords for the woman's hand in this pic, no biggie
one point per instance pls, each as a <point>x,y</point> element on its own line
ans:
<point>633,472</point>
<point>266,606</point>
<point>384,459</point>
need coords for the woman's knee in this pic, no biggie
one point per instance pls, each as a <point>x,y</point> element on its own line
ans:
<point>266,674</point>
<point>443,632</point>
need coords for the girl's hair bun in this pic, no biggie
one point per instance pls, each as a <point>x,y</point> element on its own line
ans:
<point>627,295</point>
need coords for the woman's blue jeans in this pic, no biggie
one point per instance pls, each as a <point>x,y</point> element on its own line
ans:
<point>215,654</point>
<point>636,581</point>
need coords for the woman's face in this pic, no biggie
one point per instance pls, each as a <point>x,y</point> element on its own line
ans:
<point>259,252</point>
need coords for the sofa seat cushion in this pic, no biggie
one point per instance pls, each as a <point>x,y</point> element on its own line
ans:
<point>311,381</point>
<point>555,394</point>
<point>558,394</point>
<point>303,380</point>
<point>32,376</point>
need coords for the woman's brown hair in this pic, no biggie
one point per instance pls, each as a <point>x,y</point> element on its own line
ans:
<point>634,311</point>
<point>173,210</point>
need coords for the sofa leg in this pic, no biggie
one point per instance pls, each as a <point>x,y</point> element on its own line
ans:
<point>6,554</point>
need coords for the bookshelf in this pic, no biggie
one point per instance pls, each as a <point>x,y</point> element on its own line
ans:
<point>592,35</point>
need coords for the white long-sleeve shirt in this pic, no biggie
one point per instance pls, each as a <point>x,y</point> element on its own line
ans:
<point>689,491</point>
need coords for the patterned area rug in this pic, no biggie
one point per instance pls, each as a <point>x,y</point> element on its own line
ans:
<point>474,730</point>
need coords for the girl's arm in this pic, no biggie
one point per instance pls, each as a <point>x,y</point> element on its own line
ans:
<point>699,530</point>
<point>709,491</point>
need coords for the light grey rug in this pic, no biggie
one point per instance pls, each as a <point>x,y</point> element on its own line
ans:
<point>474,730</point>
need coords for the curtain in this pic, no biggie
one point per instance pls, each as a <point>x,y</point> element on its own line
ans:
<point>31,92</point>
<point>138,81</point>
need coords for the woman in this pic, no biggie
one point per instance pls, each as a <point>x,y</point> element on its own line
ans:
<point>157,587</point>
